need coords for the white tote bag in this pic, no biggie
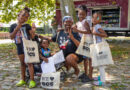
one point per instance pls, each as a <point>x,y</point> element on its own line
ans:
<point>50,80</point>
<point>100,53</point>
<point>84,46</point>
<point>30,50</point>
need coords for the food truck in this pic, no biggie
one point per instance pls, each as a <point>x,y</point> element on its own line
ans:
<point>115,14</point>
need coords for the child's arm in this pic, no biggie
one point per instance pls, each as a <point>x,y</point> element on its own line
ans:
<point>43,58</point>
<point>87,28</point>
<point>101,34</point>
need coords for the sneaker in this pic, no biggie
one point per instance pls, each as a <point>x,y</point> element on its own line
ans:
<point>21,83</point>
<point>97,78</point>
<point>32,84</point>
<point>86,79</point>
<point>82,76</point>
<point>98,83</point>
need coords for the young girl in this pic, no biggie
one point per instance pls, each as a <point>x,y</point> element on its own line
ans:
<point>83,27</point>
<point>45,51</point>
<point>15,33</point>
<point>99,34</point>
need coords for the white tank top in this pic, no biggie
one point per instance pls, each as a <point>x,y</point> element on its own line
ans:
<point>80,26</point>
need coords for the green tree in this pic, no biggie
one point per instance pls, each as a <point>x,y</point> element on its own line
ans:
<point>41,10</point>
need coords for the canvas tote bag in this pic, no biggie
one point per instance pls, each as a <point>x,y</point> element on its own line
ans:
<point>100,53</point>
<point>84,46</point>
<point>30,50</point>
<point>50,80</point>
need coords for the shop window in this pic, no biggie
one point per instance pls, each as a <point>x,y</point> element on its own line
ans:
<point>110,17</point>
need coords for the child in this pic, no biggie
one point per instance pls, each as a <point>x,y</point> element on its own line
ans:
<point>15,33</point>
<point>99,33</point>
<point>45,51</point>
<point>83,27</point>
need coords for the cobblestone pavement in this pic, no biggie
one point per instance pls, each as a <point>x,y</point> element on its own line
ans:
<point>118,75</point>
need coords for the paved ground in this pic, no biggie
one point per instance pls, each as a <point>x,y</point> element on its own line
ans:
<point>118,75</point>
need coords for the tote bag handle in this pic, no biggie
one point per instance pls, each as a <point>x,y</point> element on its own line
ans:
<point>23,35</point>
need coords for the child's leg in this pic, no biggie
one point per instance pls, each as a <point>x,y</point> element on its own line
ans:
<point>31,71</point>
<point>32,83</point>
<point>23,66</point>
<point>86,66</point>
<point>90,69</point>
<point>102,73</point>
<point>102,76</point>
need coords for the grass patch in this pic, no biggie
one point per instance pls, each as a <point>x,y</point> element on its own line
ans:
<point>120,51</point>
<point>7,51</point>
<point>5,75</point>
<point>46,35</point>
<point>118,86</point>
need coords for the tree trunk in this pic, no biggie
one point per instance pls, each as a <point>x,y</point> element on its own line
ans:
<point>71,9</point>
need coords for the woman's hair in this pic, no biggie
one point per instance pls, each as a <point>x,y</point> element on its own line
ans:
<point>83,7</point>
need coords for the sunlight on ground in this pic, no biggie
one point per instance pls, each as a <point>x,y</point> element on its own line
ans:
<point>119,38</point>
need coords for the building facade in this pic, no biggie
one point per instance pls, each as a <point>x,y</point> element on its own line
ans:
<point>115,13</point>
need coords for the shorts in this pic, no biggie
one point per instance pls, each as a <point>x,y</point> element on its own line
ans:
<point>85,57</point>
<point>20,49</point>
<point>81,57</point>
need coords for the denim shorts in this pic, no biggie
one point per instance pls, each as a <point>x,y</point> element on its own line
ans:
<point>20,49</point>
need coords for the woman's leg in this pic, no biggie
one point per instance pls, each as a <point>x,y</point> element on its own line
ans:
<point>67,66</point>
<point>71,60</point>
<point>23,66</point>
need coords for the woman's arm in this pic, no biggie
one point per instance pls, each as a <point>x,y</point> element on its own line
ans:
<point>76,42</point>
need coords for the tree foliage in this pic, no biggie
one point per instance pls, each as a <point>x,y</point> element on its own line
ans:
<point>41,10</point>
